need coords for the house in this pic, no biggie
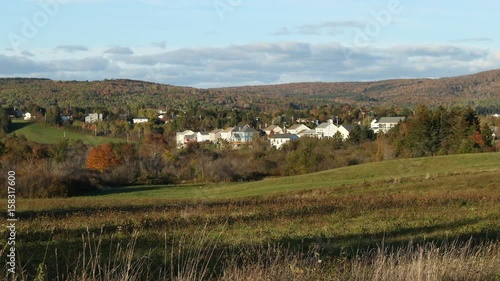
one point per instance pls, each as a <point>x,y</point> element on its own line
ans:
<point>93,117</point>
<point>243,135</point>
<point>326,129</point>
<point>273,129</point>
<point>227,134</point>
<point>215,135</point>
<point>309,134</point>
<point>279,140</point>
<point>189,139</point>
<point>66,118</point>
<point>303,120</point>
<point>180,137</point>
<point>27,116</point>
<point>496,115</point>
<point>138,120</point>
<point>202,136</point>
<point>297,129</point>
<point>374,125</point>
<point>387,123</point>
<point>345,130</point>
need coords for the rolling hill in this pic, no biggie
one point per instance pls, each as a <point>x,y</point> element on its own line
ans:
<point>50,135</point>
<point>340,215</point>
<point>481,89</point>
<point>412,172</point>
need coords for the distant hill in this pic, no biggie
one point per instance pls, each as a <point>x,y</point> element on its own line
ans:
<point>481,89</point>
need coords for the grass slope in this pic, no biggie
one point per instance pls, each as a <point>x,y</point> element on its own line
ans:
<point>337,213</point>
<point>49,135</point>
<point>387,171</point>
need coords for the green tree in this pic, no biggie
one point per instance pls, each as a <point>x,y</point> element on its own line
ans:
<point>53,116</point>
<point>59,151</point>
<point>4,121</point>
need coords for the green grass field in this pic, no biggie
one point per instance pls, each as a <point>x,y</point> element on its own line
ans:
<point>401,171</point>
<point>338,213</point>
<point>49,135</point>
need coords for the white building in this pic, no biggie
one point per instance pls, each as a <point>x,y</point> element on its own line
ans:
<point>387,123</point>
<point>27,116</point>
<point>297,129</point>
<point>273,129</point>
<point>226,134</point>
<point>93,117</point>
<point>202,136</point>
<point>303,120</point>
<point>309,134</point>
<point>138,120</point>
<point>374,125</point>
<point>326,129</point>
<point>345,131</point>
<point>279,140</point>
<point>215,135</point>
<point>180,137</point>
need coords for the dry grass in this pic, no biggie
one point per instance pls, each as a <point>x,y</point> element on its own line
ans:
<point>270,237</point>
<point>428,261</point>
<point>453,261</point>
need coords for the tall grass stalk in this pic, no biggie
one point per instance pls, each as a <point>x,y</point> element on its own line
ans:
<point>199,257</point>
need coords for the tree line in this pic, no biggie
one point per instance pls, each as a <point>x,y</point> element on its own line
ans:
<point>441,131</point>
<point>70,167</point>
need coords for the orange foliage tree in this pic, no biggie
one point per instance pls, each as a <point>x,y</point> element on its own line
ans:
<point>102,158</point>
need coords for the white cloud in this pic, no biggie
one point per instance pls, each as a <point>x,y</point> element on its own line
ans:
<point>119,51</point>
<point>72,48</point>
<point>331,28</point>
<point>250,64</point>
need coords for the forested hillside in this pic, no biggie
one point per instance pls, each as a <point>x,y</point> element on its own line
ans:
<point>481,90</point>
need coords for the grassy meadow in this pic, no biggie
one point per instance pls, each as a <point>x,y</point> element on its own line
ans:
<point>418,219</point>
<point>50,135</point>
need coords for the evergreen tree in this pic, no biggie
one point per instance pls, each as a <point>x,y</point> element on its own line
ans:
<point>4,121</point>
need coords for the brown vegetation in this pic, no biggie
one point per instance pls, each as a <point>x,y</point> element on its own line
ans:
<point>482,89</point>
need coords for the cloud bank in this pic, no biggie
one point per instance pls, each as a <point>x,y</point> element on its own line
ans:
<point>252,64</point>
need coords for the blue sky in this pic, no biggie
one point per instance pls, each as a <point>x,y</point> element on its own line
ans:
<point>212,43</point>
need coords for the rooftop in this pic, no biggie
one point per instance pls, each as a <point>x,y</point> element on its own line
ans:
<point>391,119</point>
<point>285,136</point>
<point>324,125</point>
<point>296,126</point>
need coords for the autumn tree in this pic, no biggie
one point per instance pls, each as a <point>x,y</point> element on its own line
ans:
<point>152,150</point>
<point>102,158</point>
<point>126,153</point>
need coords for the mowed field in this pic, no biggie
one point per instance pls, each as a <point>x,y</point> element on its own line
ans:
<point>49,135</point>
<point>337,214</point>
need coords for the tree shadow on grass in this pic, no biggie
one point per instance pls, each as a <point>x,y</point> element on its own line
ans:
<point>352,244</point>
<point>332,247</point>
<point>134,189</point>
<point>15,126</point>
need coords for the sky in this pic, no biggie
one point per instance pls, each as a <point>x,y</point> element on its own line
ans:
<point>219,43</point>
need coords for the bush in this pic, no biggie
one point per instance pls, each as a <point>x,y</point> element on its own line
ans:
<point>42,185</point>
